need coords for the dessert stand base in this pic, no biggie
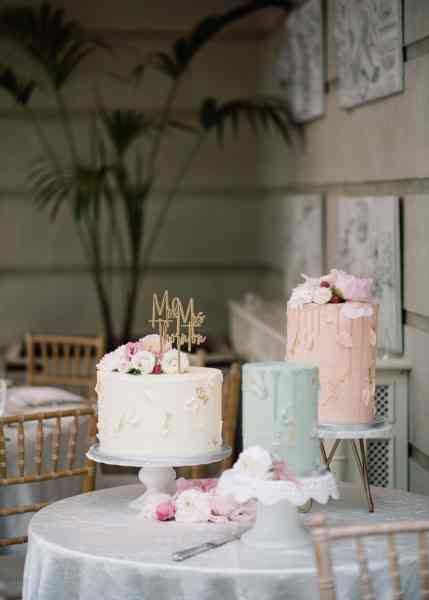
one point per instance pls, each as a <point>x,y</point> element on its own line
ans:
<point>156,474</point>
<point>278,525</point>
<point>358,439</point>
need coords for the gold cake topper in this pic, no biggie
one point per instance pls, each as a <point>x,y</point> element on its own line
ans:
<point>184,323</point>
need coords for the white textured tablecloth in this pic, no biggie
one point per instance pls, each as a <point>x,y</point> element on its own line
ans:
<point>94,547</point>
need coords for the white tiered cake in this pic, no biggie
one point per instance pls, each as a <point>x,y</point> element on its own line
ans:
<point>147,408</point>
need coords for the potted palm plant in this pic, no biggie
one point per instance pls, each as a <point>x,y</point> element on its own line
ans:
<point>107,189</point>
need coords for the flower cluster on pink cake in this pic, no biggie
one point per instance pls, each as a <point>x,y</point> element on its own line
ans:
<point>335,288</point>
<point>144,357</point>
<point>200,501</point>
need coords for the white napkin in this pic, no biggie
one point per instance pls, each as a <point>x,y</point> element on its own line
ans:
<point>33,396</point>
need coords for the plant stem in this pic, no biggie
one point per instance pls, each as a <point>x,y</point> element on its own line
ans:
<point>65,119</point>
<point>43,139</point>
<point>139,269</point>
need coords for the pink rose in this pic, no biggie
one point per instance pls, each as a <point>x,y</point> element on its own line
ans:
<point>132,348</point>
<point>207,485</point>
<point>165,511</point>
<point>152,343</point>
<point>352,288</point>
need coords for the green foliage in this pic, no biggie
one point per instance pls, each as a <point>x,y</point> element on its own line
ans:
<point>262,113</point>
<point>58,45</point>
<point>20,90</point>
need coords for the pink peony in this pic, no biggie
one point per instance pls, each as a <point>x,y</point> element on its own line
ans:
<point>350,287</point>
<point>152,343</point>
<point>165,511</point>
<point>282,472</point>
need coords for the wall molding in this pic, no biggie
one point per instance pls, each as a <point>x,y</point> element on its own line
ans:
<point>202,268</point>
<point>416,321</point>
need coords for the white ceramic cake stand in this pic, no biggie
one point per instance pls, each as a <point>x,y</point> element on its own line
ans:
<point>278,525</point>
<point>156,474</point>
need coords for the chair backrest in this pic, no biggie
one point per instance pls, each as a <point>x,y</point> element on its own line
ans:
<point>63,360</point>
<point>231,394</point>
<point>16,428</point>
<point>323,537</point>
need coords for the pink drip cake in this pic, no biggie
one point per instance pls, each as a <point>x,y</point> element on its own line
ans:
<point>332,324</point>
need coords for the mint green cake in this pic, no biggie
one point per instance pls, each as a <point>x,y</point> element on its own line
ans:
<point>280,412</point>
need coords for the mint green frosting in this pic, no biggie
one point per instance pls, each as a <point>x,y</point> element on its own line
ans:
<point>280,412</point>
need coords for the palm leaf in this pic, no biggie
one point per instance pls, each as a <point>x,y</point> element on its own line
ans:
<point>21,90</point>
<point>175,63</point>
<point>262,113</point>
<point>58,45</point>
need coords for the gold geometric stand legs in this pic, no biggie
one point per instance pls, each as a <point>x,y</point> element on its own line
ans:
<point>360,455</point>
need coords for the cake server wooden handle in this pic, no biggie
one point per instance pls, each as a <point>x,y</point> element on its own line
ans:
<point>194,550</point>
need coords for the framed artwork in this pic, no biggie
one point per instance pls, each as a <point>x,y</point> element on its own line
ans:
<point>300,68</point>
<point>368,244</point>
<point>369,39</point>
<point>304,249</point>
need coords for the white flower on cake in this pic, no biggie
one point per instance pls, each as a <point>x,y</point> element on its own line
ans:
<point>193,506</point>
<point>322,295</point>
<point>115,361</point>
<point>143,361</point>
<point>301,295</point>
<point>254,462</point>
<point>151,503</point>
<point>152,343</point>
<point>170,362</point>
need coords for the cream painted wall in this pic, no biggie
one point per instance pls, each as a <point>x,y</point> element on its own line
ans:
<point>376,149</point>
<point>209,247</point>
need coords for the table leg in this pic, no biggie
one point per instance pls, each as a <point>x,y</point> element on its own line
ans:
<point>327,459</point>
<point>362,465</point>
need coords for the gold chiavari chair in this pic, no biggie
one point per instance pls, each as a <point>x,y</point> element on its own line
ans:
<point>60,465</point>
<point>231,395</point>
<point>324,536</point>
<point>64,360</point>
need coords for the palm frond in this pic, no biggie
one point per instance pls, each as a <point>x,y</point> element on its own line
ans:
<point>125,126</point>
<point>175,63</point>
<point>57,44</point>
<point>21,90</point>
<point>262,113</point>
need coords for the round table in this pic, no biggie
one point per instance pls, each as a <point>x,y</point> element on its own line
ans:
<point>93,546</point>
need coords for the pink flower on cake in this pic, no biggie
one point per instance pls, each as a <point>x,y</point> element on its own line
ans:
<point>115,361</point>
<point>165,511</point>
<point>183,484</point>
<point>352,288</point>
<point>208,485</point>
<point>152,343</point>
<point>193,506</point>
<point>170,362</point>
<point>143,361</point>
<point>132,348</point>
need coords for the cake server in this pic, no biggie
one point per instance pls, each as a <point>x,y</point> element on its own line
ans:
<point>194,550</point>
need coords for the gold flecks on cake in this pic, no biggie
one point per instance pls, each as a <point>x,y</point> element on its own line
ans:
<point>202,394</point>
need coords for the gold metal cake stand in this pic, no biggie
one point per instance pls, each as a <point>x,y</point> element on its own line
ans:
<point>357,437</point>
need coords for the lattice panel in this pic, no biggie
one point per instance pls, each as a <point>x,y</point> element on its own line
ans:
<point>378,463</point>
<point>382,400</point>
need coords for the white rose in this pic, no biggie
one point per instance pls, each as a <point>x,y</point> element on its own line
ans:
<point>151,502</point>
<point>302,294</point>
<point>152,343</point>
<point>115,361</point>
<point>311,281</point>
<point>193,506</point>
<point>322,295</point>
<point>254,462</point>
<point>170,362</point>
<point>143,361</point>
